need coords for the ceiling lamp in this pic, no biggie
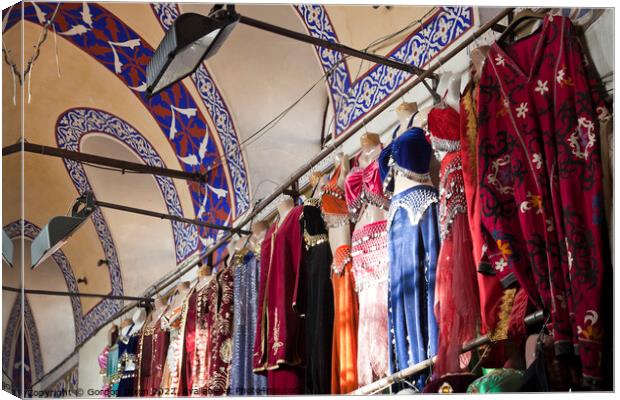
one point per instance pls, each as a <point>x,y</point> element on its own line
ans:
<point>56,233</point>
<point>7,248</point>
<point>192,38</point>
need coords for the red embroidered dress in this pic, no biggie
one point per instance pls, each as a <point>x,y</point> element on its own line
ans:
<point>540,182</point>
<point>279,338</point>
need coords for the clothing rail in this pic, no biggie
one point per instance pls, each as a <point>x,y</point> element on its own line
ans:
<point>421,366</point>
<point>183,269</point>
<point>75,294</point>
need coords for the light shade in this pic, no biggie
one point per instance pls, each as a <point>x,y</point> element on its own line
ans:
<point>56,233</point>
<point>192,38</point>
<point>7,248</point>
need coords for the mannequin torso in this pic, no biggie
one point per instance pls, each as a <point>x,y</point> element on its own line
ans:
<point>371,148</point>
<point>340,235</point>
<point>284,207</point>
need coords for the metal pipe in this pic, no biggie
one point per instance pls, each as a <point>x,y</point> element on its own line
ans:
<point>278,30</point>
<point>423,365</point>
<point>103,161</point>
<point>76,294</point>
<point>170,217</point>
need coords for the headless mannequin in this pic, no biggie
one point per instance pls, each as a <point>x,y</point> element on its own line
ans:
<point>317,181</point>
<point>160,307</point>
<point>371,148</point>
<point>240,244</point>
<point>259,229</point>
<point>204,276</point>
<point>341,235</point>
<point>449,88</point>
<point>175,305</point>
<point>138,317</point>
<point>232,245</point>
<point>404,113</point>
<point>284,207</point>
<point>478,56</point>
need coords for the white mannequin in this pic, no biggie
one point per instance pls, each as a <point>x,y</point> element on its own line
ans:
<point>284,207</point>
<point>240,244</point>
<point>175,304</point>
<point>371,149</point>
<point>404,112</point>
<point>157,312</point>
<point>341,235</point>
<point>259,229</point>
<point>449,88</point>
<point>232,244</point>
<point>138,317</point>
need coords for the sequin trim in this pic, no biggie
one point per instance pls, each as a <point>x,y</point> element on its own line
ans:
<point>335,220</point>
<point>342,258</point>
<point>451,195</point>
<point>314,240</point>
<point>369,255</point>
<point>446,145</point>
<point>415,202</point>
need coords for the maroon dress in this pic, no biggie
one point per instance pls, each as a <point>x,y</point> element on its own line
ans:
<point>278,347</point>
<point>152,351</point>
<point>540,183</point>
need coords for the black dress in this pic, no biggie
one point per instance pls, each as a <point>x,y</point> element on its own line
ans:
<point>127,363</point>
<point>319,299</point>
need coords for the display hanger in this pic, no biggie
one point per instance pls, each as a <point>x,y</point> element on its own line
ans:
<point>523,16</point>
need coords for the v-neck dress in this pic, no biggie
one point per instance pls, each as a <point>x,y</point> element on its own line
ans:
<point>540,183</point>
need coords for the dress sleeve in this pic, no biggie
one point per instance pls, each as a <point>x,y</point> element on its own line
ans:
<point>299,293</point>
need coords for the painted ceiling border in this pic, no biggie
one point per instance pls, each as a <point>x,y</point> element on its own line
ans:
<point>220,114</point>
<point>353,100</point>
<point>74,124</point>
<point>31,231</point>
<point>13,325</point>
<point>106,38</point>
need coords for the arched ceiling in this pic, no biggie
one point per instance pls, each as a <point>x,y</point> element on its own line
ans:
<point>86,92</point>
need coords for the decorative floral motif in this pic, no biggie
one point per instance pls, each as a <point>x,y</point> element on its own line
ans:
<point>542,87</point>
<point>276,334</point>
<point>537,160</point>
<point>562,78</point>
<point>533,202</point>
<point>500,175</point>
<point>437,33</point>
<point>583,138</point>
<point>12,327</point>
<point>501,264</point>
<point>499,60</point>
<point>504,248</point>
<point>522,110</point>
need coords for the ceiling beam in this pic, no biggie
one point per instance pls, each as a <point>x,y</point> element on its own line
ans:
<point>122,165</point>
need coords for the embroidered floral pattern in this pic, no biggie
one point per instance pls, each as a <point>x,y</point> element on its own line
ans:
<point>522,110</point>
<point>583,138</point>
<point>501,176</point>
<point>276,334</point>
<point>533,202</point>
<point>499,60</point>
<point>542,87</point>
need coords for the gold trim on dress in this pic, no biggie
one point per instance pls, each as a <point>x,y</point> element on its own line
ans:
<point>501,328</point>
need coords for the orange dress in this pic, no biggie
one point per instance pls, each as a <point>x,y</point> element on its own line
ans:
<point>344,342</point>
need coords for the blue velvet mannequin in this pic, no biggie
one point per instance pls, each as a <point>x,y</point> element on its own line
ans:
<point>408,154</point>
<point>413,248</point>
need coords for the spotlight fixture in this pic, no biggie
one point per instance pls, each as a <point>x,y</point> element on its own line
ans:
<point>56,233</point>
<point>192,38</point>
<point>7,249</point>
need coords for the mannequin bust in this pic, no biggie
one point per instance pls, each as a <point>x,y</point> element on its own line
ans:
<point>404,112</point>
<point>371,149</point>
<point>204,276</point>
<point>232,244</point>
<point>240,244</point>
<point>340,235</point>
<point>478,57</point>
<point>284,207</point>
<point>138,317</point>
<point>259,229</point>
<point>175,304</point>
<point>342,159</point>
<point>317,180</point>
<point>157,312</point>
<point>449,88</point>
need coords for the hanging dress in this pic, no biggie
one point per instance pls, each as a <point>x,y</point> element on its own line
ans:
<point>540,183</point>
<point>413,244</point>
<point>127,361</point>
<point>214,308</point>
<point>152,350</point>
<point>114,377</point>
<point>102,360</point>
<point>456,288</point>
<point>318,305</point>
<point>243,380</point>
<point>279,342</point>
<point>370,272</point>
<point>344,344</point>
